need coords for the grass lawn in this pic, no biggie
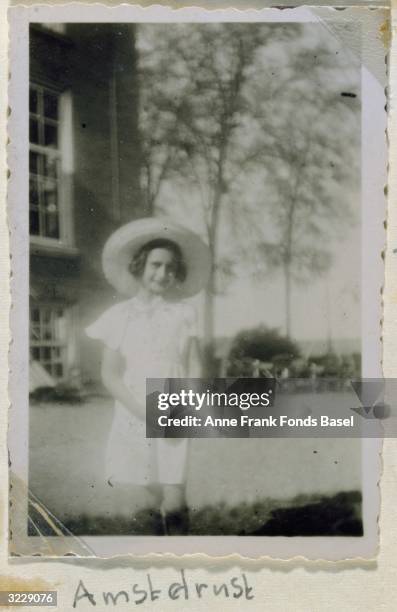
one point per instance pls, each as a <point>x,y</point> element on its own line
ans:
<point>339,515</point>
<point>234,486</point>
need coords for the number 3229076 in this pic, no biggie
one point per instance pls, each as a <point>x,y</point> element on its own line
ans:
<point>31,597</point>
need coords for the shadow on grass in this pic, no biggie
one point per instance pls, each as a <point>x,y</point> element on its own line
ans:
<point>302,516</point>
<point>339,515</point>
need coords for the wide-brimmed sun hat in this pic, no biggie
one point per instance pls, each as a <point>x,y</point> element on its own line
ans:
<point>125,242</point>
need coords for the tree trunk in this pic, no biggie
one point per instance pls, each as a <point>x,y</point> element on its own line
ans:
<point>209,306</point>
<point>209,348</point>
<point>287,278</point>
<point>288,259</point>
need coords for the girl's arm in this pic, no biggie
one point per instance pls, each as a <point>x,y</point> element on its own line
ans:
<point>194,359</point>
<point>111,378</point>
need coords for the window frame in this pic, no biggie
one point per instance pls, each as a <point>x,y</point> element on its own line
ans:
<point>67,345</point>
<point>64,153</point>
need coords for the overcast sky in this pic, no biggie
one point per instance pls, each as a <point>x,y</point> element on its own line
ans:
<point>322,307</point>
<point>248,303</point>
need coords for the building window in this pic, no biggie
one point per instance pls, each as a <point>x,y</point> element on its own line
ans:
<point>48,338</point>
<point>44,163</point>
<point>50,167</point>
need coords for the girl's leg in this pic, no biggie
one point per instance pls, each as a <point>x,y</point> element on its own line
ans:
<point>156,494</point>
<point>174,510</point>
<point>139,505</point>
<point>171,464</point>
<point>152,512</point>
<point>173,497</point>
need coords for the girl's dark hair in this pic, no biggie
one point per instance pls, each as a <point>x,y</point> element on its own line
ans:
<point>139,258</point>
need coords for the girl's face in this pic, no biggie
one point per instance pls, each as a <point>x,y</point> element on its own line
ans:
<point>159,271</point>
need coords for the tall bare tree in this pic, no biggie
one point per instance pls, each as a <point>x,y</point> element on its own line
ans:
<point>305,159</point>
<point>248,120</point>
<point>194,79</point>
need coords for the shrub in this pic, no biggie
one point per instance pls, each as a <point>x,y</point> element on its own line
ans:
<point>261,344</point>
<point>60,394</point>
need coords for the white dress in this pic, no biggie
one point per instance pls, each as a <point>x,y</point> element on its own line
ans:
<point>152,339</point>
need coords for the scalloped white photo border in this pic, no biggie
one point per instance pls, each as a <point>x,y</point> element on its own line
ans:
<point>374,168</point>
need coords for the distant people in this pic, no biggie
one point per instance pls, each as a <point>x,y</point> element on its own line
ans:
<point>261,369</point>
<point>284,373</point>
<point>256,373</point>
<point>313,371</point>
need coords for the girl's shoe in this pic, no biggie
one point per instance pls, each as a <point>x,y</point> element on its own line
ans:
<point>147,522</point>
<point>157,523</point>
<point>176,522</point>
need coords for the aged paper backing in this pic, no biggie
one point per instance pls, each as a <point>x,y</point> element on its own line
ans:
<point>273,574</point>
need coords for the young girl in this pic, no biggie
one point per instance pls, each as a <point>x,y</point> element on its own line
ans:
<point>151,335</point>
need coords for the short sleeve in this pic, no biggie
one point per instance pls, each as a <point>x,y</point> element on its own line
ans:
<point>110,326</point>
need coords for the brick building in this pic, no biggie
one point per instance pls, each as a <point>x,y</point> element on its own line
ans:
<point>84,182</point>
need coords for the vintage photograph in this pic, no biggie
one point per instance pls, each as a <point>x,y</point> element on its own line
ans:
<point>194,210</point>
